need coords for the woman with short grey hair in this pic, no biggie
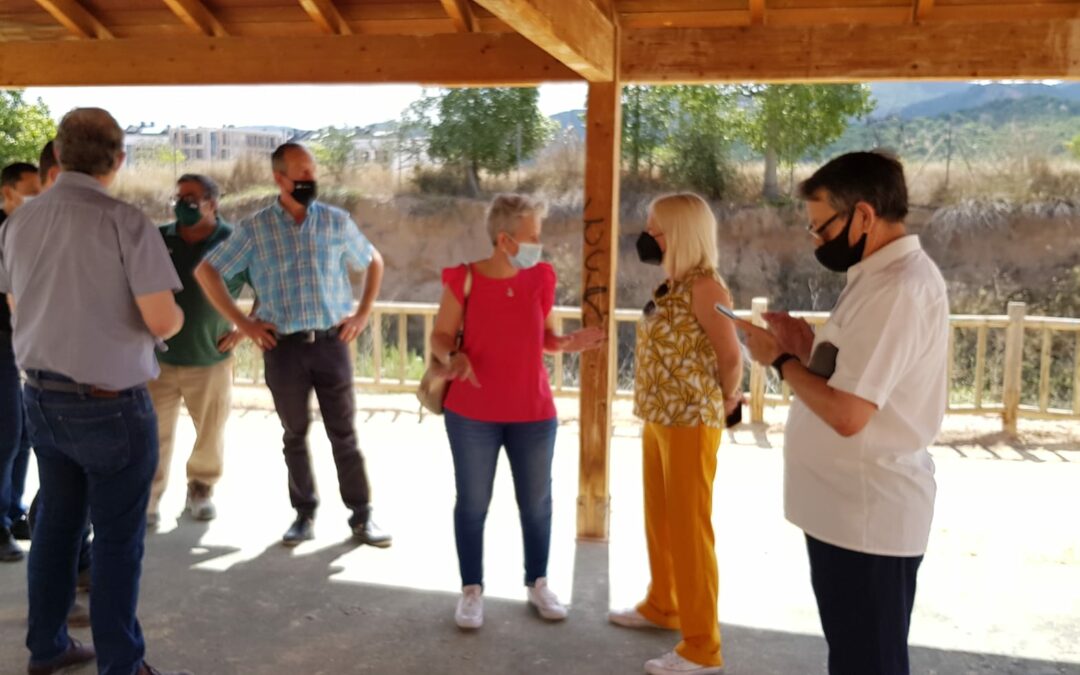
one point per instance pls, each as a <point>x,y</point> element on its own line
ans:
<point>492,330</point>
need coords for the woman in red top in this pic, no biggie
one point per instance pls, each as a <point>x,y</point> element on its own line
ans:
<point>500,395</point>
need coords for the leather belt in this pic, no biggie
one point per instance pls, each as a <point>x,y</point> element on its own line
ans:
<point>310,336</point>
<point>41,380</point>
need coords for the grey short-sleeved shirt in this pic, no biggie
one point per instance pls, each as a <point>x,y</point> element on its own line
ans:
<point>75,259</point>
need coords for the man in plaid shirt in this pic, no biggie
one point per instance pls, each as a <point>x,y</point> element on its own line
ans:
<point>297,253</point>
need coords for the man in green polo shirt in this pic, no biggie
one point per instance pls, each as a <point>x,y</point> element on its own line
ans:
<point>197,366</point>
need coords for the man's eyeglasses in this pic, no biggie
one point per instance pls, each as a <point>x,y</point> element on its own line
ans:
<point>815,232</point>
<point>660,292</point>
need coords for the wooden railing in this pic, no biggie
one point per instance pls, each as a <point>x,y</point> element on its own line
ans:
<point>996,354</point>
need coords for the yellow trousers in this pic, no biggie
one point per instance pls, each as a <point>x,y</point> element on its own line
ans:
<point>679,468</point>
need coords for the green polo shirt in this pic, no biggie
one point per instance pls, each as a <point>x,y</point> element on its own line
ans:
<point>196,343</point>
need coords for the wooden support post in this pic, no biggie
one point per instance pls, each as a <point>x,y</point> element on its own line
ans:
<point>376,345</point>
<point>603,127</point>
<point>1014,366</point>
<point>757,371</point>
<point>980,366</point>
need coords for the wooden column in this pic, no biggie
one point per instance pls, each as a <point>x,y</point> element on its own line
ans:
<point>598,367</point>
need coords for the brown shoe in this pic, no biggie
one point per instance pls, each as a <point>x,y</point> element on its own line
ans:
<point>76,655</point>
<point>79,616</point>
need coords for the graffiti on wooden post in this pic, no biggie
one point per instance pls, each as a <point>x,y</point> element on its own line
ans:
<point>595,278</point>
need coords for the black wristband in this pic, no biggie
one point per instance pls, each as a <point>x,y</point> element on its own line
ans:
<point>778,364</point>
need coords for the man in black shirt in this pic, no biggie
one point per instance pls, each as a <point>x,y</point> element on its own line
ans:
<point>18,182</point>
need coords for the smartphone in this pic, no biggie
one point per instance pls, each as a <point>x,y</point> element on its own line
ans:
<point>729,313</point>
<point>734,418</point>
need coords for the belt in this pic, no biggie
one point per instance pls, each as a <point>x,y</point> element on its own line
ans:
<point>45,381</point>
<point>309,336</point>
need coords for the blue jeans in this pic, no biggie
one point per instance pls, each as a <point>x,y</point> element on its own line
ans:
<point>97,455</point>
<point>530,447</point>
<point>14,440</point>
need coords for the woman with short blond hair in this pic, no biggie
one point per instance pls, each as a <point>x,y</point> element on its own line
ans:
<point>687,382</point>
<point>493,327</point>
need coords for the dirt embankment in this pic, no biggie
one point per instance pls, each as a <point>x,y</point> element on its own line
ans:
<point>987,255</point>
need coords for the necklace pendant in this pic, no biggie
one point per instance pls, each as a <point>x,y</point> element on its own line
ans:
<point>509,292</point>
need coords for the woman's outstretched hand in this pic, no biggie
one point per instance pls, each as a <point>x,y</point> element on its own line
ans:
<point>583,340</point>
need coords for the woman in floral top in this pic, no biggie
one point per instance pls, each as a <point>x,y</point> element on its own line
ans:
<point>688,380</point>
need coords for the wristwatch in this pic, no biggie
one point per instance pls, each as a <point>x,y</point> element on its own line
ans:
<point>778,364</point>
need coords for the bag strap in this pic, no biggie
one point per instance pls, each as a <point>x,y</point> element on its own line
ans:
<point>460,338</point>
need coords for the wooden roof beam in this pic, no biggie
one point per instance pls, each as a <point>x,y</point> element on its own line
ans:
<point>76,18</point>
<point>945,50</point>
<point>460,12</point>
<point>454,59</point>
<point>197,17</point>
<point>577,32</point>
<point>326,15</point>
<point>757,12</point>
<point>922,10</point>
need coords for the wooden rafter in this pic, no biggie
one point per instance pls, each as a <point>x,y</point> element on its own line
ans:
<point>1047,49</point>
<point>757,12</point>
<point>576,32</point>
<point>922,9</point>
<point>326,15</point>
<point>198,17</point>
<point>452,59</point>
<point>460,12</point>
<point>76,18</point>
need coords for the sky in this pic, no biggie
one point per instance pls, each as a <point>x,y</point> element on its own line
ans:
<point>299,106</point>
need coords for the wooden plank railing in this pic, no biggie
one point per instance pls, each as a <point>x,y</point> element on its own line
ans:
<point>989,382</point>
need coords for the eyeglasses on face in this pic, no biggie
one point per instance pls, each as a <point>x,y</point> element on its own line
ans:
<point>816,232</point>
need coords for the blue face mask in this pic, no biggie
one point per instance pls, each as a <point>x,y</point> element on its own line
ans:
<point>527,256</point>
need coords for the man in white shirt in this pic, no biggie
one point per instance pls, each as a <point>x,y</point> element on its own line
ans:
<point>870,394</point>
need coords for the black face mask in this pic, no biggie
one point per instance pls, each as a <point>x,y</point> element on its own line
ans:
<point>648,249</point>
<point>837,255</point>
<point>304,191</point>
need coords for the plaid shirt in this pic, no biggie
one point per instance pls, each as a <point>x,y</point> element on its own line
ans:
<point>300,273</point>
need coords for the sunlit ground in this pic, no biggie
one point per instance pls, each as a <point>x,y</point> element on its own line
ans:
<point>1002,577</point>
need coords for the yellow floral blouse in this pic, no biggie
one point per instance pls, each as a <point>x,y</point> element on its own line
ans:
<point>675,382</point>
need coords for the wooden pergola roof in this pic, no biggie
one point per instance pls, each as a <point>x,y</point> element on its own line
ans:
<point>471,42</point>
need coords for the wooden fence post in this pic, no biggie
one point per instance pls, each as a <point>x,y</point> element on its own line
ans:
<point>757,372</point>
<point>1014,367</point>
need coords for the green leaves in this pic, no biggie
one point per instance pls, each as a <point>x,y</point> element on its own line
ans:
<point>334,151</point>
<point>483,129</point>
<point>24,128</point>
<point>689,130</point>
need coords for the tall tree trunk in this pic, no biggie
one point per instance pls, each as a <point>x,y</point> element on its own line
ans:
<point>472,178</point>
<point>771,190</point>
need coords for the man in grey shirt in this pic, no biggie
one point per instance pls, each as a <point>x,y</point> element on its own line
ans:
<point>91,289</point>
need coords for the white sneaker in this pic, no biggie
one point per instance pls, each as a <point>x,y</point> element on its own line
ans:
<point>470,607</point>
<point>199,504</point>
<point>630,618</point>
<point>673,664</point>
<point>543,599</point>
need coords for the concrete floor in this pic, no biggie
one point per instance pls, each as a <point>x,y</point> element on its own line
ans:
<point>999,590</point>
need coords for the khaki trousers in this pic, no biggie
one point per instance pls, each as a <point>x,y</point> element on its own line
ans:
<point>206,392</point>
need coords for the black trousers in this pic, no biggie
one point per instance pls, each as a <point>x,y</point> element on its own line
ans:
<point>865,604</point>
<point>294,368</point>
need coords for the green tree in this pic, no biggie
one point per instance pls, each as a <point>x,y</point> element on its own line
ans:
<point>24,127</point>
<point>647,115</point>
<point>705,122</point>
<point>787,122</point>
<point>334,151</point>
<point>483,129</point>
